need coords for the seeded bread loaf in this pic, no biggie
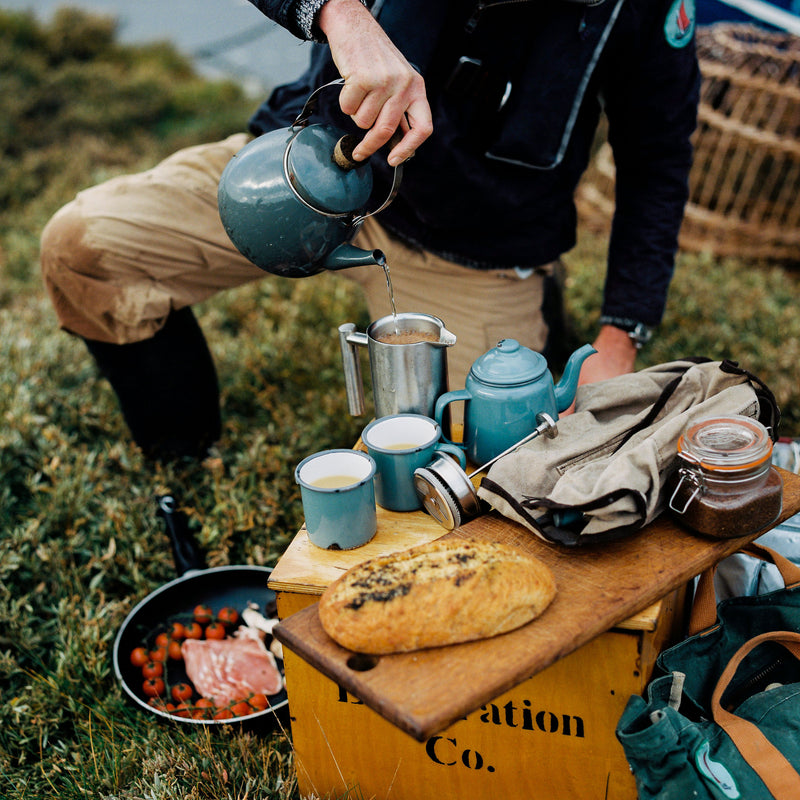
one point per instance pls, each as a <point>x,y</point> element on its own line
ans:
<point>435,594</point>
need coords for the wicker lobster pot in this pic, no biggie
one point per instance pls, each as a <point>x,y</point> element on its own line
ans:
<point>745,180</point>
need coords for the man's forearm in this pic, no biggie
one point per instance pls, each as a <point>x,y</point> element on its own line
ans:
<point>298,17</point>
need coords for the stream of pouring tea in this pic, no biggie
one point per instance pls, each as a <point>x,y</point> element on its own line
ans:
<point>391,294</point>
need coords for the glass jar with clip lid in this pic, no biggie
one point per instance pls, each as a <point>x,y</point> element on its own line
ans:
<point>725,485</point>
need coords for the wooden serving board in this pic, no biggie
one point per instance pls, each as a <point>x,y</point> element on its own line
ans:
<point>598,587</point>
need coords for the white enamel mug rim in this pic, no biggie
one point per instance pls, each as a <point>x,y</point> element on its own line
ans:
<point>384,432</point>
<point>335,462</point>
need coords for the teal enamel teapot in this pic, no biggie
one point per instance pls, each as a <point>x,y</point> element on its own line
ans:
<point>292,199</point>
<point>507,387</point>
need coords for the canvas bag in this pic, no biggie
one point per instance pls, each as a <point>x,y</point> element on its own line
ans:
<point>741,574</point>
<point>603,475</point>
<point>725,721</point>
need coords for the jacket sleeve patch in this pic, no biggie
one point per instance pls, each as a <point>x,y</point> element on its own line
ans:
<point>680,22</point>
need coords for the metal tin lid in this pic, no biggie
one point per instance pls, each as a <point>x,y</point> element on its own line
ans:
<point>726,443</point>
<point>318,179</point>
<point>509,364</point>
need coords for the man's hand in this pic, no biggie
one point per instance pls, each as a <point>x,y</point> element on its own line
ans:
<point>616,355</point>
<point>382,91</point>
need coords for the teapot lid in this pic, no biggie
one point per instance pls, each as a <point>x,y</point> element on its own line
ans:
<point>509,364</point>
<point>318,179</point>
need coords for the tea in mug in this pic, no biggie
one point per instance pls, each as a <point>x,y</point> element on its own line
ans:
<point>401,446</point>
<point>334,481</point>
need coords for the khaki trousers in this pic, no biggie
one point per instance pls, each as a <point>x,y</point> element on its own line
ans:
<point>123,254</point>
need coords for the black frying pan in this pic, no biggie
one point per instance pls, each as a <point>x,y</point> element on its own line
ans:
<point>217,587</point>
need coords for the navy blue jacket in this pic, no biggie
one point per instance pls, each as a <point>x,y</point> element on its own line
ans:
<point>515,125</point>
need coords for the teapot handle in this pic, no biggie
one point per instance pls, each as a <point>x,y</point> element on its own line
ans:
<point>301,121</point>
<point>442,402</point>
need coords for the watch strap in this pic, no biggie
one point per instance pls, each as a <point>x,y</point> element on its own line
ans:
<point>639,333</point>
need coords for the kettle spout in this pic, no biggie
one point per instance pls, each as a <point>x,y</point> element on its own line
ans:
<point>348,255</point>
<point>568,385</point>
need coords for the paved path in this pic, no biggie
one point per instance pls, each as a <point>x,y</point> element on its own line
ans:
<point>223,37</point>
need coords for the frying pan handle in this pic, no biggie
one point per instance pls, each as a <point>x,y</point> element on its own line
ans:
<point>185,552</point>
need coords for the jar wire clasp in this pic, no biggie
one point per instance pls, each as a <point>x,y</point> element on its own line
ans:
<point>694,478</point>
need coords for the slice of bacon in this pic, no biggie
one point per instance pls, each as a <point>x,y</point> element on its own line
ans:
<point>226,670</point>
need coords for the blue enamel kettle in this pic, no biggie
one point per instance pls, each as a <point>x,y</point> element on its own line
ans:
<point>292,199</point>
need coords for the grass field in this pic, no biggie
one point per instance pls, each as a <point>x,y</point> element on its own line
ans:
<point>80,541</point>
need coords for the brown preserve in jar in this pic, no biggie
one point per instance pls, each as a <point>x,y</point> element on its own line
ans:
<point>725,485</point>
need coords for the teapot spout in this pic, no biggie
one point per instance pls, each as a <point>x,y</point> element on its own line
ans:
<point>348,255</point>
<point>568,385</point>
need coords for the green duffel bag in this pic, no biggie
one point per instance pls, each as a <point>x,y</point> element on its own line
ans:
<point>724,722</point>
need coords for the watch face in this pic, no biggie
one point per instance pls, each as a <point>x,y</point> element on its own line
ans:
<point>640,334</point>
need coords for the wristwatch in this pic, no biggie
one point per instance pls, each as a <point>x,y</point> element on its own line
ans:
<point>639,333</point>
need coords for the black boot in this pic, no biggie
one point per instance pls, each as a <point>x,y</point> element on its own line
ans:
<point>167,388</point>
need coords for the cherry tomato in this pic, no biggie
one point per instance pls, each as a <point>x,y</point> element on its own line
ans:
<point>174,650</point>
<point>258,701</point>
<point>153,687</point>
<point>228,616</point>
<point>183,709</point>
<point>223,713</point>
<point>203,709</point>
<point>193,631</point>
<point>162,640</point>
<point>159,654</point>
<point>241,708</point>
<point>153,669</point>
<point>177,631</point>
<point>203,614</point>
<point>181,691</point>
<point>216,630</point>
<point>139,656</point>
<point>157,702</point>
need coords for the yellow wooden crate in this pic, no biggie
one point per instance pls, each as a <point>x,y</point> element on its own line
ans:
<point>551,737</point>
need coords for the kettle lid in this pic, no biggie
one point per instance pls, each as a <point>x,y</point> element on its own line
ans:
<point>509,364</point>
<point>318,179</point>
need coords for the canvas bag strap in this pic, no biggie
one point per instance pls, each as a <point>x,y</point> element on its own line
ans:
<point>778,775</point>
<point>704,606</point>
